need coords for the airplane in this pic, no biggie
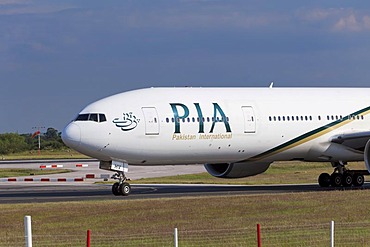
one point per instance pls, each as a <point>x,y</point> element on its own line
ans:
<point>234,132</point>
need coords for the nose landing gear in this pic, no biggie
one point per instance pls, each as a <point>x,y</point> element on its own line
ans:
<point>122,187</point>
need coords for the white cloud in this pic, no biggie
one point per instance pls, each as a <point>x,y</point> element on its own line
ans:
<point>349,23</point>
<point>337,19</point>
<point>315,14</point>
<point>11,2</point>
<point>353,23</point>
<point>16,7</point>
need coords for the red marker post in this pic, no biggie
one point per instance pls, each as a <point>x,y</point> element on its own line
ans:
<point>88,239</point>
<point>259,242</point>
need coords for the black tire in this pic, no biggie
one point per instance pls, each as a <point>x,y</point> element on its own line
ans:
<point>336,179</point>
<point>125,189</point>
<point>347,180</point>
<point>358,180</point>
<point>115,189</point>
<point>324,180</point>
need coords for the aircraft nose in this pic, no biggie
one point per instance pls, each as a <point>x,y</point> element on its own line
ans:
<point>71,135</point>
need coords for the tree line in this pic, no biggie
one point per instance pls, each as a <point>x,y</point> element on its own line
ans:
<point>15,143</point>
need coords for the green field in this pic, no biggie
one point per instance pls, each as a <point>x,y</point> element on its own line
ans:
<point>11,172</point>
<point>291,172</point>
<point>45,154</point>
<point>287,219</point>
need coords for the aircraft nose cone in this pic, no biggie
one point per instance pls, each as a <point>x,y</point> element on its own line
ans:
<point>71,135</point>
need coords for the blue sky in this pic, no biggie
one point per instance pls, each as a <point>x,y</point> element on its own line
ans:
<point>58,56</point>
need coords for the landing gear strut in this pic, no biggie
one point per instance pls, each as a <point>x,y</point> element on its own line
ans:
<point>342,176</point>
<point>121,188</point>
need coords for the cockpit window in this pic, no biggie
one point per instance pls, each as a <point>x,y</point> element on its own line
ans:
<point>102,118</point>
<point>95,117</point>
<point>82,117</point>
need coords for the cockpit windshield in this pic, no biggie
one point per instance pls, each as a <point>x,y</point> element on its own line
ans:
<point>95,117</point>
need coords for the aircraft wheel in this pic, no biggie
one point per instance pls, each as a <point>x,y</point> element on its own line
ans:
<point>358,180</point>
<point>115,189</point>
<point>347,180</point>
<point>324,180</point>
<point>336,179</point>
<point>125,189</point>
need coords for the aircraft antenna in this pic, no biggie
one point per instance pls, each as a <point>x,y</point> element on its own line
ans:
<point>271,84</point>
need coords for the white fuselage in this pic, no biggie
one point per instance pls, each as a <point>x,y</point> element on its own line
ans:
<point>159,126</point>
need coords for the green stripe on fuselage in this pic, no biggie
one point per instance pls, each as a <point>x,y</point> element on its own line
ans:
<point>309,135</point>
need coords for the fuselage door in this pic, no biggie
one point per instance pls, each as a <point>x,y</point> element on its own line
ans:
<point>151,120</point>
<point>249,119</point>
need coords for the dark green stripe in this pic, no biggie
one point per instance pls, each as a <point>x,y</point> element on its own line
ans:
<point>306,135</point>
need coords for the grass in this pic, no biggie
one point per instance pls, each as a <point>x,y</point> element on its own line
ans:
<point>45,154</point>
<point>279,173</point>
<point>11,172</point>
<point>135,221</point>
<point>287,219</point>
